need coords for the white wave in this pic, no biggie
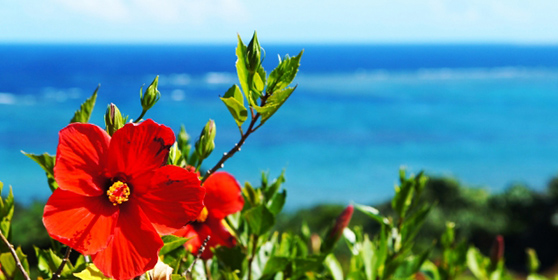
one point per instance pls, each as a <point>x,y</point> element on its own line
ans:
<point>362,75</point>
<point>177,95</point>
<point>219,78</point>
<point>176,79</point>
<point>7,98</point>
<point>61,95</point>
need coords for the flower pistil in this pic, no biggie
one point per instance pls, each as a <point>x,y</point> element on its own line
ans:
<point>118,192</point>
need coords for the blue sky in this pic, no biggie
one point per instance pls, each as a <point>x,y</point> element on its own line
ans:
<point>287,21</point>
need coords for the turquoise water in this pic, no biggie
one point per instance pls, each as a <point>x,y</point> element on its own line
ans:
<point>485,115</point>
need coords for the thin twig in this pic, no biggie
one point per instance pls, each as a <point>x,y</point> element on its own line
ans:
<point>14,254</point>
<point>56,275</point>
<point>188,272</point>
<point>235,149</point>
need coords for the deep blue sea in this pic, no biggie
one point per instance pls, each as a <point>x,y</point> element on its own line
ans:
<point>484,114</point>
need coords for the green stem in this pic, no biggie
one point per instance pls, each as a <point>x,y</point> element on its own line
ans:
<point>140,116</point>
<point>252,255</point>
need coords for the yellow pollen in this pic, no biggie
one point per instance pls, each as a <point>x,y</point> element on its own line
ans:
<point>203,215</point>
<point>118,193</point>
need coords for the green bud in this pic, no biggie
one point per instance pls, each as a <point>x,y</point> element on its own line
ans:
<point>253,53</point>
<point>175,155</point>
<point>183,141</point>
<point>183,138</point>
<point>151,95</point>
<point>206,143</point>
<point>113,119</point>
<point>532,261</point>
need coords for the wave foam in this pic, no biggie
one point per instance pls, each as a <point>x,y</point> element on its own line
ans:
<point>7,98</point>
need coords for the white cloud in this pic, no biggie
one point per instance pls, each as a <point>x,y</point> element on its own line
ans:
<point>195,12</point>
<point>111,10</point>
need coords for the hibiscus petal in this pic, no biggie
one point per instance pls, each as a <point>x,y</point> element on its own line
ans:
<point>223,195</point>
<point>82,222</point>
<point>80,158</point>
<point>138,148</point>
<point>134,249</point>
<point>194,234</point>
<point>173,198</point>
<point>219,236</point>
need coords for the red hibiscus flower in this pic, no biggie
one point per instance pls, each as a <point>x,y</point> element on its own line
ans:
<point>223,197</point>
<point>116,195</point>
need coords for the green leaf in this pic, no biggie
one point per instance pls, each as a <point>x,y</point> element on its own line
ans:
<point>6,212</point>
<point>412,225</point>
<point>259,219</point>
<point>277,202</point>
<point>231,258</point>
<point>273,103</point>
<point>411,265</point>
<point>430,271</point>
<point>46,162</point>
<point>9,267</point>
<point>381,253</point>
<point>242,68</point>
<point>91,272</point>
<point>334,267</point>
<point>173,258</point>
<point>304,265</point>
<point>234,101</point>
<point>369,259</point>
<point>258,84</point>
<point>476,263</point>
<point>403,197</point>
<point>252,195</point>
<point>532,261</point>
<point>171,243</point>
<point>271,190</point>
<point>372,213</point>
<point>49,262</point>
<point>305,231</point>
<point>274,265</point>
<point>284,74</point>
<point>262,76</point>
<point>83,114</point>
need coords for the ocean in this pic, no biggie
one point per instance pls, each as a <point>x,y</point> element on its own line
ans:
<point>483,114</point>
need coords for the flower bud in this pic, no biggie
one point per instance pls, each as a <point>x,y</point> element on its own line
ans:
<point>342,222</point>
<point>315,243</point>
<point>253,53</point>
<point>151,95</point>
<point>161,271</point>
<point>113,119</point>
<point>336,231</point>
<point>497,250</point>
<point>206,143</point>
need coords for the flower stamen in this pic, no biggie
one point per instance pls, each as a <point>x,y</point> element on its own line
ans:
<point>118,192</point>
<point>203,215</point>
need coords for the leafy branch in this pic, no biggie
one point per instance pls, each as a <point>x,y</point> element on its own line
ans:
<point>271,91</point>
